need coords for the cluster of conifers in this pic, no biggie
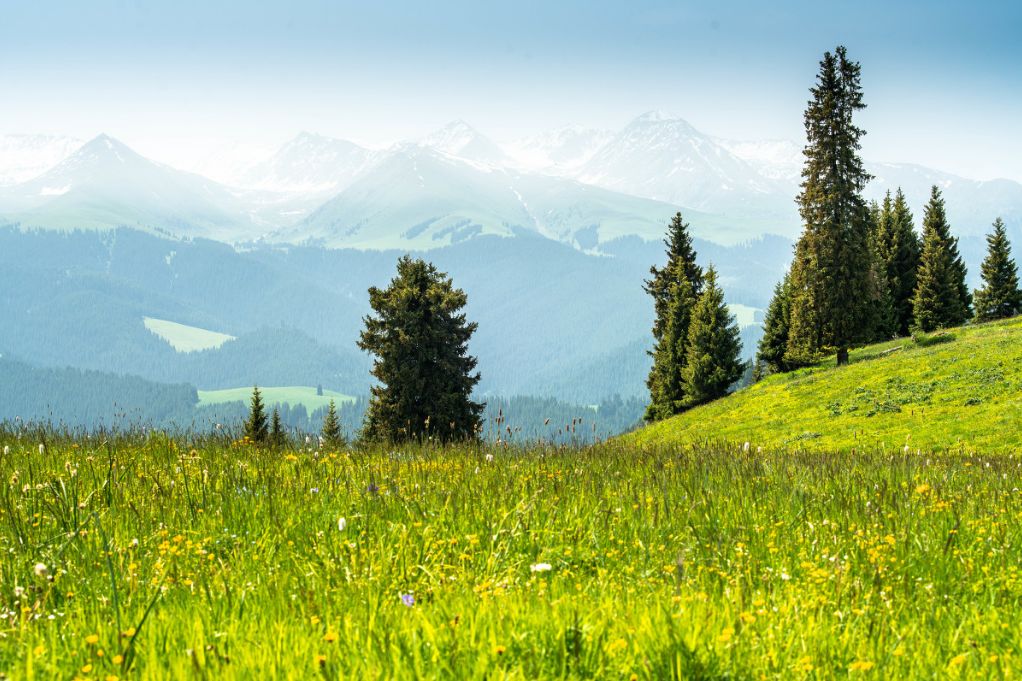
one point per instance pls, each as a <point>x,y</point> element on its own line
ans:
<point>860,273</point>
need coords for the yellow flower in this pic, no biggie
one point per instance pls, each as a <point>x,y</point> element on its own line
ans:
<point>314,620</point>
<point>86,669</point>
<point>861,666</point>
<point>320,660</point>
<point>899,651</point>
<point>38,651</point>
<point>957,660</point>
<point>330,636</point>
<point>500,650</point>
<point>617,645</point>
<point>748,617</point>
<point>922,489</point>
<point>993,659</point>
<point>726,635</point>
<point>805,664</point>
<point>92,639</point>
<point>117,659</point>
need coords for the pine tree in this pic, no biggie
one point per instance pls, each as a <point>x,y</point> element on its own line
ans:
<point>666,391</point>
<point>255,425</point>
<point>941,298</point>
<point>331,432</point>
<point>277,436</point>
<point>883,319</point>
<point>674,289</point>
<point>420,336</point>
<point>713,356</point>
<point>831,289</point>
<point>774,343</point>
<point>902,257</point>
<point>1000,296</point>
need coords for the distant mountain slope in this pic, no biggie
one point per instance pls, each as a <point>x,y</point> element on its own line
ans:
<point>311,164</point>
<point>960,391</point>
<point>104,184</point>
<point>461,140</point>
<point>23,157</point>
<point>559,151</point>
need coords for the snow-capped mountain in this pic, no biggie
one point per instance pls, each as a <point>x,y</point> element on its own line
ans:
<point>461,140</point>
<point>558,151</point>
<point>104,184</point>
<point>309,164</point>
<point>663,157</point>
<point>23,157</point>
<point>774,159</point>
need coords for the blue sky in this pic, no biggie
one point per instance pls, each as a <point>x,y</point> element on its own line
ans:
<point>943,80</point>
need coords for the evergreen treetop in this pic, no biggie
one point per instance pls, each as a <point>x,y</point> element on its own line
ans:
<point>255,426</point>
<point>713,355</point>
<point>331,431</point>
<point>941,297</point>
<point>681,259</point>
<point>774,343</point>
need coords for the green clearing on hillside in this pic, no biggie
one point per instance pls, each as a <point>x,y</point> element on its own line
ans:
<point>293,395</point>
<point>184,338</point>
<point>960,389</point>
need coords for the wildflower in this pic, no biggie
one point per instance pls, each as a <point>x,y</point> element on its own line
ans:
<point>7,450</point>
<point>341,524</point>
<point>19,591</point>
<point>541,567</point>
<point>314,490</point>
<point>92,639</point>
<point>922,489</point>
<point>408,600</point>
<point>38,651</point>
<point>489,457</point>
<point>500,650</point>
<point>957,660</point>
<point>117,659</point>
<point>726,635</point>
<point>86,669</point>
<point>745,447</point>
<point>330,636</point>
<point>41,570</point>
<point>320,660</point>
<point>861,666</point>
<point>42,449</point>
<point>617,645</point>
<point>372,488</point>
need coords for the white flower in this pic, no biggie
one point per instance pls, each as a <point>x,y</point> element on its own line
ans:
<point>785,576</point>
<point>42,449</point>
<point>341,524</point>
<point>19,591</point>
<point>541,567</point>
<point>40,569</point>
<point>7,450</point>
<point>745,447</point>
<point>489,457</point>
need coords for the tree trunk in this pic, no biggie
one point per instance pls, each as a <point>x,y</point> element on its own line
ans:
<point>842,356</point>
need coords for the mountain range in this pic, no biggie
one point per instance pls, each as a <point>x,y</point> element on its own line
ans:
<point>583,187</point>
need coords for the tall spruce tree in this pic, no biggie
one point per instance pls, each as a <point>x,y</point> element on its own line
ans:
<point>331,431</point>
<point>774,343</point>
<point>941,297</point>
<point>1000,296</point>
<point>420,336</point>
<point>883,319</point>
<point>674,289</point>
<point>831,291</point>
<point>277,437</point>
<point>713,354</point>
<point>902,258</point>
<point>255,425</point>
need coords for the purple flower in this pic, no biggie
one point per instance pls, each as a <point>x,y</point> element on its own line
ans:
<point>408,599</point>
<point>372,488</point>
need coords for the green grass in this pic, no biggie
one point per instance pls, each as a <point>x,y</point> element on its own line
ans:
<point>184,338</point>
<point>163,561</point>
<point>960,390</point>
<point>293,395</point>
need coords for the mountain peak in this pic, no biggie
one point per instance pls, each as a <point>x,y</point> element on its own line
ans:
<point>460,139</point>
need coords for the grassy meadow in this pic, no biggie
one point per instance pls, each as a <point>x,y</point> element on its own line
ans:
<point>293,395</point>
<point>960,390</point>
<point>150,558</point>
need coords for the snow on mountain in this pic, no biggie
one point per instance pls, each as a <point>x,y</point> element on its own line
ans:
<point>774,159</point>
<point>558,151</point>
<point>662,157</point>
<point>311,164</point>
<point>417,198</point>
<point>104,184</point>
<point>461,140</point>
<point>23,157</point>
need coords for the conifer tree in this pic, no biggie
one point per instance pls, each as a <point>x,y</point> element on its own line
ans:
<point>941,298</point>
<point>713,356</point>
<point>674,289</point>
<point>774,343</point>
<point>831,289</point>
<point>277,437</point>
<point>331,431</point>
<point>419,335</point>
<point>883,320</point>
<point>902,258</point>
<point>666,390</point>
<point>255,426</point>
<point>1000,296</point>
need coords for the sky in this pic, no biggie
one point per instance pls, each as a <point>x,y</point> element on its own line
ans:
<point>182,80</point>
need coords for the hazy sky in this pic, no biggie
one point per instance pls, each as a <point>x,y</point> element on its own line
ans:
<point>943,80</point>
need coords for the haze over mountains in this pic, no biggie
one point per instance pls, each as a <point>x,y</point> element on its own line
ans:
<point>580,186</point>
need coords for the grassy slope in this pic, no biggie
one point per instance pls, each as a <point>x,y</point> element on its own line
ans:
<point>293,395</point>
<point>964,393</point>
<point>184,338</point>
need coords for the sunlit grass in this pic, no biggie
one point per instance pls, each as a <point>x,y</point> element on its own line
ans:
<point>152,560</point>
